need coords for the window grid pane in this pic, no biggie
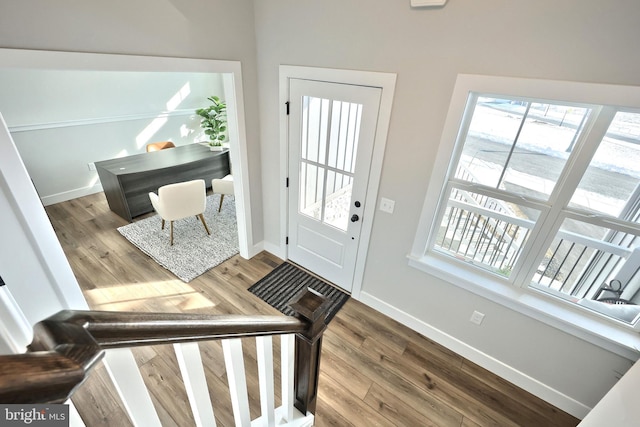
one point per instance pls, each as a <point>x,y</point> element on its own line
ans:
<point>584,257</point>
<point>311,183</point>
<point>520,146</point>
<point>330,132</point>
<point>611,181</point>
<point>484,230</point>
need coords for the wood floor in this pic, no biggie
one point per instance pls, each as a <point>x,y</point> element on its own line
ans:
<point>374,371</point>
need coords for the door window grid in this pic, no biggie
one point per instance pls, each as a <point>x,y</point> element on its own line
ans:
<point>330,132</point>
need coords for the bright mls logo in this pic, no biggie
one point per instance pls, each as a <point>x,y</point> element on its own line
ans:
<point>34,415</point>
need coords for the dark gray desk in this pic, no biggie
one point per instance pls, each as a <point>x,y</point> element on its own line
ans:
<point>128,180</point>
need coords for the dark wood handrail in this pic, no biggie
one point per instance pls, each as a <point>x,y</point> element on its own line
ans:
<point>41,377</point>
<point>68,344</point>
<point>112,329</point>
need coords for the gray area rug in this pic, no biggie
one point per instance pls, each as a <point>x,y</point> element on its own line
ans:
<point>193,251</point>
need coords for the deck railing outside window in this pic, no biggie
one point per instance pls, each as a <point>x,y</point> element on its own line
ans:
<point>547,196</point>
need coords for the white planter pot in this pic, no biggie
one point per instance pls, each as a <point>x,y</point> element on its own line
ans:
<point>211,147</point>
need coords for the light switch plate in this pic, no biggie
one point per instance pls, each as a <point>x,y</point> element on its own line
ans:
<point>387,205</point>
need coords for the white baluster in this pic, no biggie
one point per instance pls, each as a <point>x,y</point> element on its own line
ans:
<point>195,383</point>
<point>287,357</point>
<point>234,362</point>
<point>264,346</point>
<point>75,420</point>
<point>124,372</point>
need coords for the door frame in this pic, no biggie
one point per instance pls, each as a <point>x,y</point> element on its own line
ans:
<point>385,81</point>
<point>231,72</point>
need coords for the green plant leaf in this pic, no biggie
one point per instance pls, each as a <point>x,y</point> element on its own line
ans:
<point>214,119</point>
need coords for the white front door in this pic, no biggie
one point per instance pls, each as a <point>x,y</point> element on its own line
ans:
<point>332,130</point>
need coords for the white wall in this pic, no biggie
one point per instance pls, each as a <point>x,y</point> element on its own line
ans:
<point>32,97</point>
<point>569,40</point>
<point>61,120</point>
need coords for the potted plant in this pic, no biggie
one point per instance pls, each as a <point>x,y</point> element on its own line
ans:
<point>214,122</point>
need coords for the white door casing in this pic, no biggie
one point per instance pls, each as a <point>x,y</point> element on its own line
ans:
<point>233,91</point>
<point>386,83</point>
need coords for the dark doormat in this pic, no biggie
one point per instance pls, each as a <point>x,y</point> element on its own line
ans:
<point>286,280</point>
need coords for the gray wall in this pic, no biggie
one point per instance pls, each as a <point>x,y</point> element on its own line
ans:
<point>574,40</point>
<point>570,40</point>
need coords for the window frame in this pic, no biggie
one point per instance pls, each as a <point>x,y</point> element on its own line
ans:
<point>514,292</point>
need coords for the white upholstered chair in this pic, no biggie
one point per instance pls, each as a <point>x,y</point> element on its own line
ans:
<point>222,186</point>
<point>177,201</point>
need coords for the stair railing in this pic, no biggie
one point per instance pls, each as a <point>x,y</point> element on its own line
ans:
<point>67,345</point>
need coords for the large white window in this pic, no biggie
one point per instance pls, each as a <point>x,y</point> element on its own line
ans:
<point>539,196</point>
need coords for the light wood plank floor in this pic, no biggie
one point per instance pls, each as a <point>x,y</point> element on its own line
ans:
<point>374,371</point>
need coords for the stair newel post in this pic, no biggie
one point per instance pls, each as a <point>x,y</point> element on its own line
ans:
<point>310,307</point>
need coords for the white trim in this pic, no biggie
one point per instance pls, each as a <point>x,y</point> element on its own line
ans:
<point>48,59</point>
<point>256,249</point>
<point>98,120</point>
<point>274,249</point>
<point>15,331</point>
<point>71,194</point>
<point>430,207</point>
<point>237,132</point>
<point>285,75</point>
<point>551,90</point>
<point>232,79</point>
<point>522,380</point>
<point>385,81</point>
<point>570,318</point>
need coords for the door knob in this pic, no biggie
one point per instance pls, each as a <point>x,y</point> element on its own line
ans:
<point>354,218</point>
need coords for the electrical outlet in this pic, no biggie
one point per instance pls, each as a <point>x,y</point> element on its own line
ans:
<point>387,205</point>
<point>91,166</point>
<point>476,317</point>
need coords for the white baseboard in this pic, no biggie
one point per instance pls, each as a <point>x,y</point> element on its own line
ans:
<point>274,249</point>
<point>522,380</point>
<point>71,194</point>
<point>256,249</point>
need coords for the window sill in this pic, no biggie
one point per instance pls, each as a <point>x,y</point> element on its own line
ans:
<point>581,323</point>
